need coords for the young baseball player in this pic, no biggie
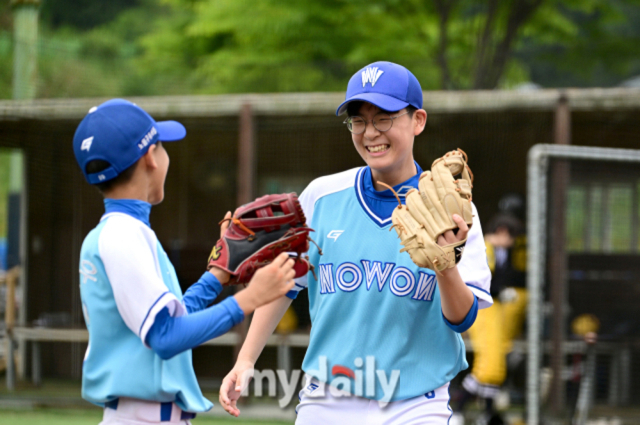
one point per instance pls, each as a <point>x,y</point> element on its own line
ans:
<point>141,328</point>
<point>383,329</point>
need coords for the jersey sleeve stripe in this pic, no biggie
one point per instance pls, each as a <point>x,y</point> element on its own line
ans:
<point>167,299</point>
<point>485,299</point>
<point>479,289</point>
<point>150,309</point>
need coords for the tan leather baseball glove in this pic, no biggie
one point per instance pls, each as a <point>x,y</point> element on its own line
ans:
<point>427,215</point>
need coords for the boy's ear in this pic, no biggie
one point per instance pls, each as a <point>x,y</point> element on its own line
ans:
<point>420,117</point>
<point>148,158</point>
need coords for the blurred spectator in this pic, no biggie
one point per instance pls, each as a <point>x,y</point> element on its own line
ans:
<point>496,327</point>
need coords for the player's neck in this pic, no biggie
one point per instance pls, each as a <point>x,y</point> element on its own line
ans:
<point>139,186</point>
<point>393,176</point>
<point>128,192</point>
<point>136,188</point>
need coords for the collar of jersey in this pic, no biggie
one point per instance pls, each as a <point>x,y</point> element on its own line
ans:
<point>133,207</point>
<point>365,189</point>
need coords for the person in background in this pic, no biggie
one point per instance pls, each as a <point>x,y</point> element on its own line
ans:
<point>495,328</point>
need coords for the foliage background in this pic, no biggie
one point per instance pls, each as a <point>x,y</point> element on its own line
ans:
<point>154,47</point>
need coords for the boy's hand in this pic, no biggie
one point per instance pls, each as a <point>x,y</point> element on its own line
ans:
<point>234,384</point>
<point>224,224</point>
<point>268,284</point>
<point>222,276</point>
<point>449,237</point>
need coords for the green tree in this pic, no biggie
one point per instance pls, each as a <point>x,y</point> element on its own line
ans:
<point>79,62</point>
<point>83,14</point>
<point>599,47</point>
<point>289,45</point>
<point>147,47</point>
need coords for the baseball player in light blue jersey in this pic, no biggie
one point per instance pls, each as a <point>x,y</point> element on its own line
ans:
<point>141,328</point>
<point>385,336</point>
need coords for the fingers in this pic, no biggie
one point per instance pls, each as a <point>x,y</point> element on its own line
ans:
<point>281,260</point>
<point>291,272</point>
<point>227,403</point>
<point>227,383</point>
<point>460,222</point>
<point>228,396</point>
<point>225,224</point>
<point>450,237</point>
<point>290,285</point>
<point>288,265</point>
<point>462,225</point>
<point>233,409</point>
<point>230,408</point>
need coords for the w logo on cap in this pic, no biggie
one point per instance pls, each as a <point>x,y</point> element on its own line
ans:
<point>371,75</point>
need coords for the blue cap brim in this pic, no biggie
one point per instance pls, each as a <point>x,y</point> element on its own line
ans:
<point>382,101</point>
<point>170,131</point>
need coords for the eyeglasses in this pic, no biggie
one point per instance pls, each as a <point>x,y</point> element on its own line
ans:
<point>381,122</point>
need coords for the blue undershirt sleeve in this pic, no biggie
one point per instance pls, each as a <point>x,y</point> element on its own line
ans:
<point>292,294</point>
<point>468,320</point>
<point>172,335</point>
<point>202,293</point>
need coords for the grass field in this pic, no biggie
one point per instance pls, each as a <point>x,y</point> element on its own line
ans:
<point>58,402</point>
<point>93,417</point>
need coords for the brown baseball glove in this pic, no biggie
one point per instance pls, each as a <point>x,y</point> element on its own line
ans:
<point>258,232</point>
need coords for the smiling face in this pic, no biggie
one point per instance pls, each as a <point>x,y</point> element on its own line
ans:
<point>389,153</point>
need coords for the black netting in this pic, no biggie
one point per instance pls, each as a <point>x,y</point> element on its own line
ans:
<point>592,278</point>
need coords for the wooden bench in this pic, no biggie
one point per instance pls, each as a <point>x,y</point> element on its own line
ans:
<point>36,335</point>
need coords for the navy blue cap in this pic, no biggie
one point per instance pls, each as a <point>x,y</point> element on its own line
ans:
<point>387,85</point>
<point>120,133</point>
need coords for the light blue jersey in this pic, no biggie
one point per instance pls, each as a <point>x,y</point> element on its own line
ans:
<point>370,300</point>
<point>126,278</point>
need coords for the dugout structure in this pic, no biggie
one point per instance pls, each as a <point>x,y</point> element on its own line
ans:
<point>242,146</point>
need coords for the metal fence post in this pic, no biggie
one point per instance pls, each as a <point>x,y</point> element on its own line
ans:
<point>535,271</point>
<point>246,179</point>
<point>558,259</point>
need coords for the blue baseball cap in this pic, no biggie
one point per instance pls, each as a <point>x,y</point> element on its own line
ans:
<point>387,85</point>
<point>120,133</point>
